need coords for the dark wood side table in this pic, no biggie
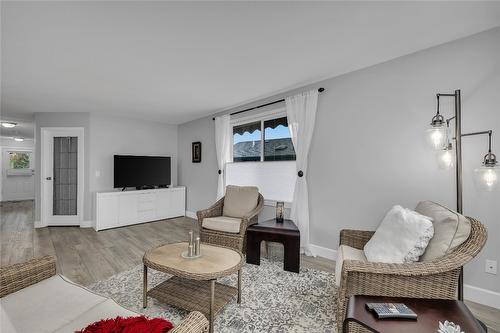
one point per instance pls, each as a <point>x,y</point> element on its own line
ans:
<point>285,232</point>
<point>430,312</point>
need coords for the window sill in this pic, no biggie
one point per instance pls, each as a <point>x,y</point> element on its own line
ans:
<point>20,172</point>
<point>272,203</point>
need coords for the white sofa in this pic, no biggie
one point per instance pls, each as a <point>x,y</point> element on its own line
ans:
<point>35,299</point>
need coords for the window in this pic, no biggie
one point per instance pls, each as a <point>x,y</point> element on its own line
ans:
<point>278,144</point>
<point>264,144</point>
<point>19,160</point>
<point>275,180</point>
<point>263,140</point>
<point>247,142</point>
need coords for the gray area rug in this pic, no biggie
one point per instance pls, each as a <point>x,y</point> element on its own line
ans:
<point>272,300</point>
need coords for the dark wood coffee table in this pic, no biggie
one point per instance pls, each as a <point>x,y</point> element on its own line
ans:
<point>430,312</point>
<point>285,232</point>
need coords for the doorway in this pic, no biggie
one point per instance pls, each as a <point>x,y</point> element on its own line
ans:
<point>17,174</point>
<point>62,172</point>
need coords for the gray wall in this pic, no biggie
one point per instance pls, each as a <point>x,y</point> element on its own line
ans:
<point>368,150</point>
<point>57,119</point>
<point>200,179</point>
<point>104,137</point>
<point>116,135</point>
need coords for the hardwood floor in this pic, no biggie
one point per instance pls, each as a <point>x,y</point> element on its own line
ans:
<point>86,256</point>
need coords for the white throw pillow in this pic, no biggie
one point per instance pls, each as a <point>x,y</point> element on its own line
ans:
<point>402,237</point>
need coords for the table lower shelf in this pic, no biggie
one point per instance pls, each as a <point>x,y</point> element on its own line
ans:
<point>192,295</point>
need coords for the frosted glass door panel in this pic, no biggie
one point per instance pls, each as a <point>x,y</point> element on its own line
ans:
<point>65,175</point>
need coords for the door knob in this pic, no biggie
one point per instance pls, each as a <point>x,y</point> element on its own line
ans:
<point>49,178</point>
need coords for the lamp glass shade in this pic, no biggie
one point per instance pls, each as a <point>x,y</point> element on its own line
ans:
<point>487,178</point>
<point>446,158</point>
<point>437,137</point>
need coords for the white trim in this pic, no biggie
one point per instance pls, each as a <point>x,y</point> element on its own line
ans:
<point>272,203</point>
<point>191,215</point>
<point>323,252</point>
<point>482,296</point>
<point>38,224</point>
<point>87,224</point>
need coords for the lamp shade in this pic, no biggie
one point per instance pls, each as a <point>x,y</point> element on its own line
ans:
<point>487,178</point>
<point>446,158</point>
<point>436,136</point>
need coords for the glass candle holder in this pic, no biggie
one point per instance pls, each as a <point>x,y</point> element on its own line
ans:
<point>190,238</point>
<point>280,211</point>
<point>197,249</point>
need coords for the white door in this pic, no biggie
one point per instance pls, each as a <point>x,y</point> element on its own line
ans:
<point>62,176</point>
<point>17,174</point>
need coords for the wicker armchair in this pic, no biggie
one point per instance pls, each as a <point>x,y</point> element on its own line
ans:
<point>432,279</point>
<point>232,240</point>
<point>18,276</point>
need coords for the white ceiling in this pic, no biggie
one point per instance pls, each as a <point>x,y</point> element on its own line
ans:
<point>24,128</point>
<point>177,61</point>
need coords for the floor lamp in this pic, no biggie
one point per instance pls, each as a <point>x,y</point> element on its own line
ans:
<point>486,176</point>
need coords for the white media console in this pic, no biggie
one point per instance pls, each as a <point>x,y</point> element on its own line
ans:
<point>118,209</point>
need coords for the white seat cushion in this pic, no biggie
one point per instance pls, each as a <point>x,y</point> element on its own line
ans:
<point>222,223</point>
<point>6,325</point>
<point>105,310</point>
<point>240,200</point>
<point>47,306</point>
<point>450,229</point>
<point>345,252</point>
<point>401,237</point>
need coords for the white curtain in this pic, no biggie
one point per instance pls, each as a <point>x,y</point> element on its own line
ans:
<point>222,149</point>
<point>301,114</point>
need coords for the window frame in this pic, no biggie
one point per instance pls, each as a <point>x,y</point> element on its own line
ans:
<point>261,117</point>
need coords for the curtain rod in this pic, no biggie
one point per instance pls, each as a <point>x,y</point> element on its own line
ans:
<point>262,105</point>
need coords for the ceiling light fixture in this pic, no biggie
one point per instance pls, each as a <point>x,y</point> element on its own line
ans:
<point>8,124</point>
<point>18,139</point>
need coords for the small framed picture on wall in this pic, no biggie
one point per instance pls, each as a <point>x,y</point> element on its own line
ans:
<point>196,152</point>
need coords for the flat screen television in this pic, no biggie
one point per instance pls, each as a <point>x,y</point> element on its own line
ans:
<point>141,171</point>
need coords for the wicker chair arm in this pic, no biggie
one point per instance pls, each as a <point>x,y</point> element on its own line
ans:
<point>212,211</point>
<point>22,275</point>
<point>355,238</point>
<point>195,322</point>
<point>252,216</point>
<point>442,286</point>
<point>441,265</point>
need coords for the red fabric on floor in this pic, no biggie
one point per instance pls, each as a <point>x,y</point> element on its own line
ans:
<point>138,324</point>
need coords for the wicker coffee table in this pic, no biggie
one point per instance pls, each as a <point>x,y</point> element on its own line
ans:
<point>193,286</point>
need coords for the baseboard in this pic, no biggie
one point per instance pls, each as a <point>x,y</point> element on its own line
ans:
<point>482,296</point>
<point>38,224</point>
<point>323,252</point>
<point>471,293</point>
<point>87,224</point>
<point>191,215</point>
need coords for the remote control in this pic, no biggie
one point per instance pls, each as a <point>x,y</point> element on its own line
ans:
<point>391,310</point>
